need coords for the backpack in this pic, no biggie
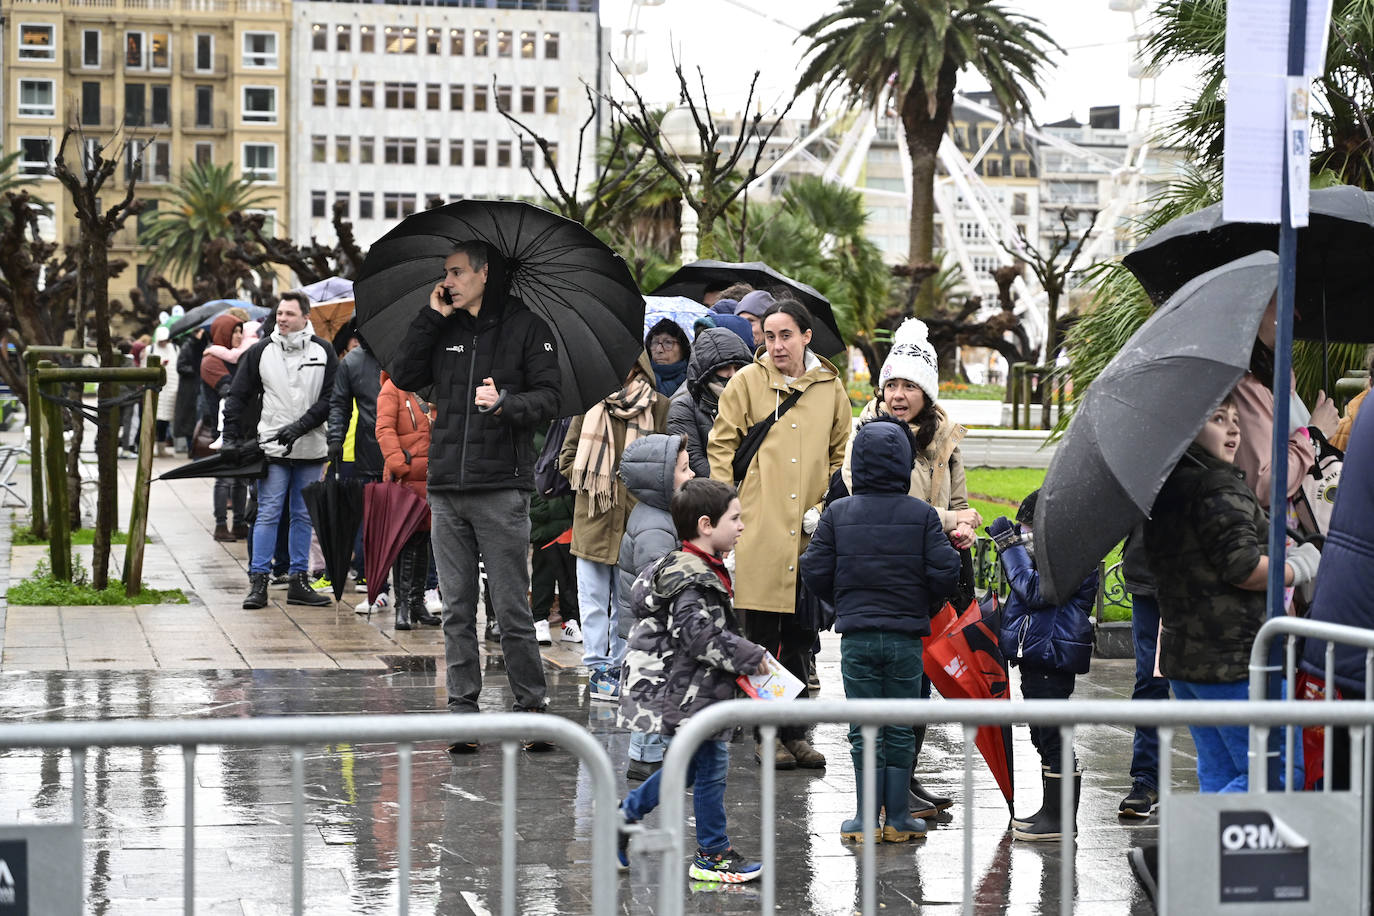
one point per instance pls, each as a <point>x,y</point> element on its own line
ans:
<point>1317,498</point>
<point>548,480</point>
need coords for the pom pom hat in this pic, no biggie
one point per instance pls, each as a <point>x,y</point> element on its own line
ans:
<point>912,358</point>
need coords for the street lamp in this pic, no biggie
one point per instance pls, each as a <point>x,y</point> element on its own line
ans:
<point>681,136</point>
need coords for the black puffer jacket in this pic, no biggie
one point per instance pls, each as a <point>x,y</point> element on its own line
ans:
<point>474,449</point>
<point>357,383</point>
<point>693,408</point>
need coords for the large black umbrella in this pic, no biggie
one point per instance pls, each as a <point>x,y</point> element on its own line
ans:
<point>336,511</point>
<point>692,280</point>
<point>554,265</point>
<point>1335,289</point>
<point>1141,413</point>
<point>250,464</point>
<point>203,313</point>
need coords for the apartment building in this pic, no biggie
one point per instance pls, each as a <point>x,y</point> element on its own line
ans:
<point>162,83</point>
<point>394,104</point>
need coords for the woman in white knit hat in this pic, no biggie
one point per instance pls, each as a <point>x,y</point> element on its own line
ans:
<point>909,389</point>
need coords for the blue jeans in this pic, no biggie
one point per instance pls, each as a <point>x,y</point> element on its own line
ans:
<point>601,643</point>
<point>1223,753</point>
<point>875,664</point>
<point>706,775</point>
<point>1145,635</point>
<point>647,747</point>
<point>279,492</point>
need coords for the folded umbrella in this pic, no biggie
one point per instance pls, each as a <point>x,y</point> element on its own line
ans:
<point>251,464</point>
<point>391,514</point>
<point>692,281</point>
<point>555,266</point>
<point>336,511</point>
<point>1140,414</point>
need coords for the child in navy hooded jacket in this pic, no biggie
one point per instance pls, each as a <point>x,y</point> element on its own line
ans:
<point>883,560</point>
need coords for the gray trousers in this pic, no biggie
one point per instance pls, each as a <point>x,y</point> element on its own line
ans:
<point>494,524</point>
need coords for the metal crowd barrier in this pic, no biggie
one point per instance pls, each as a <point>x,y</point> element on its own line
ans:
<point>669,841</point>
<point>300,732</point>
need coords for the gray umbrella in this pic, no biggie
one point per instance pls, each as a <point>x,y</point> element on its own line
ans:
<point>1141,413</point>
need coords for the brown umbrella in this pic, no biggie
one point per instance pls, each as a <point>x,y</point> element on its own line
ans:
<point>329,318</point>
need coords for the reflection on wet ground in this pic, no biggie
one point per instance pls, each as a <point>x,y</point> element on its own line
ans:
<point>243,808</point>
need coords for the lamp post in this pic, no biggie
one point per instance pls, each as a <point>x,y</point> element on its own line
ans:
<point>680,135</point>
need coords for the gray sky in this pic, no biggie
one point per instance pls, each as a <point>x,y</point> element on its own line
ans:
<point>729,42</point>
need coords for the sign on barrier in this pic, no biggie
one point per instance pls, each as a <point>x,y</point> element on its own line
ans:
<point>37,865</point>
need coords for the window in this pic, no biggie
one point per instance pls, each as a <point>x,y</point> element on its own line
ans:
<point>479,42</point>
<point>157,161</point>
<point>159,51</point>
<point>365,205</point>
<point>455,97</point>
<point>551,45</point>
<point>260,104</point>
<point>37,41</point>
<point>36,99</point>
<point>366,150</point>
<point>90,103</point>
<point>133,51</point>
<point>319,147</point>
<point>527,45</point>
<point>550,101</point>
<point>479,153</point>
<point>400,39</point>
<point>205,53</point>
<point>135,104</point>
<point>503,43</point>
<point>398,150</point>
<point>35,155</point>
<point>90,153</point>
<point>205,153</point>
<point>319,200</point>
<point>205,106</point>
<point>1020,167</point>
<point>399,95</point>
<point>527,100</point>
<point>434,96</point>
<point>343,93</point>
<point>553,153</point>
<point>90,48</point>
<point>343,37</point>
<point>260,50</point>
<point>260,161</point>
<point>434,41</point>
<point>1018,204</point>
<point>319,93</point>
<point>503,98</point>
<point>367,38</point>
<point>503,154</point>
<point>342,201</point>
<point>456,40</point>
<point>526,155</point>
<point>162,106</point>
<point>992,168</point>
<point>319,37</point>
<point>343,149</point>
<point>367,91</point>
<point>135,168</point>
<point>479,98</point>
<point>455,152</point>
<point>434,151</point>
<point>391,206</point>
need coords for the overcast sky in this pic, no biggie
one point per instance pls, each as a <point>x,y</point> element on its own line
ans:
<point>729,42</point>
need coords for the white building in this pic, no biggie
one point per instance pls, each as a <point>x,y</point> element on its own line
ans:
<point>396,103</point>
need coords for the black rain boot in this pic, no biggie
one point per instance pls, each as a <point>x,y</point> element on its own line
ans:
<point>1048,826</point>
<point>898,825</point>
<point>853,829</point>
<point>257,592</point>
<point>922,802</point>
<point>401,592</point>
<point>419,572</point>
<point>1023,822</point>
<point>298,591</point>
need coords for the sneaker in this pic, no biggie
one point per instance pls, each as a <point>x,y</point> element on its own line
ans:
<point>280,581</point>
<point>493,632</point>
<point>380,605</point>
<point>535,745</point>
<point>322,584</point>
<point>726,867</point>
<point>360,585</point>
<point>464,747</point>
<point>572,632</point>
<point>604,685</point>
<point>541,633</point>
<point>433,603</point>
<point>1140,803</point>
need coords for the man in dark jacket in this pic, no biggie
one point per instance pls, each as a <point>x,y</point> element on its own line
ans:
<point>278,403</point>
<point>356,386</point>
<point>494,370</point>
<point>717,354</point>
<point>188,391</point>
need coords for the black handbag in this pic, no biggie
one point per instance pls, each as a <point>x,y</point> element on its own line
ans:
<point>812,612</point>
<point>753,439</point>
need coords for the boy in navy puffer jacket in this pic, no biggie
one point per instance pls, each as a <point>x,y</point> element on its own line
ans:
<point>883,560</point>
<point>1051,644</point>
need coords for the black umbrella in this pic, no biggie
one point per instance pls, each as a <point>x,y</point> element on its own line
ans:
<point>1335,290</point>
<point>336,511</point>
<point>250,464</point>
<point>1141,413</point>
<point>203,313</point>
<point>554,265</point>
<point>693,280</point>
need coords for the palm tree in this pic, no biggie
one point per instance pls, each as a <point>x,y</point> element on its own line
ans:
<point>198,214</point>
<point>915,49</point>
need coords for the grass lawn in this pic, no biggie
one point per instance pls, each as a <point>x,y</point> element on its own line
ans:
<point>24,537</point>
<point>42,589</point>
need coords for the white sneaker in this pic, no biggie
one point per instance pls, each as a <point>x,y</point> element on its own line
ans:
<point>572,632</point>
<point>433,603</point>
<point>541,632</point>
<point>381,604</point>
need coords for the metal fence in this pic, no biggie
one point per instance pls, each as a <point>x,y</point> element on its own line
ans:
<point>301,732</point>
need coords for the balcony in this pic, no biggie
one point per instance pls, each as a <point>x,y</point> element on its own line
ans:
<point>218,123</point>
<point>219,67</point>
<point>105,65</point>
<point>107,117</point>
<point>274,8</point>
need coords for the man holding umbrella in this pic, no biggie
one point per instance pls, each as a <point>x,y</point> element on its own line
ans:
<point>494,369</point>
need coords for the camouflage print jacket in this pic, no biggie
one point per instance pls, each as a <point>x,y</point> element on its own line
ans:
<point>684,652</point>
<point>1206,533</point>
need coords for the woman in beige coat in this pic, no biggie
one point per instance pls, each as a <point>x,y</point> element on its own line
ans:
<point>782,492</point>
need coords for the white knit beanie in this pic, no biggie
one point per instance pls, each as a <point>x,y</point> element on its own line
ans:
<point>912,358</point>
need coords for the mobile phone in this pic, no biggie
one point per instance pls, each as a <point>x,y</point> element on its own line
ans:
<point>446,296</point>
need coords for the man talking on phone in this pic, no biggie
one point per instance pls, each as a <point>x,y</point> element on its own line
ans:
<point>494,370</point>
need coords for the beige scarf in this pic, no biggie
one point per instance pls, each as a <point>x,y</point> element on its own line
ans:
<point>594,465</point>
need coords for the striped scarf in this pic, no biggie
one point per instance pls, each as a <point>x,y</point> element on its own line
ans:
<point>594,465</point>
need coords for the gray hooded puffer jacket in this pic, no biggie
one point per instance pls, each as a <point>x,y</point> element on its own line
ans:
<point>693,409</point>
<point>646,469</point>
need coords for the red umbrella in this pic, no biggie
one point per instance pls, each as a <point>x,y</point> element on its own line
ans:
<point>963,660</point>
<point>391,514</point>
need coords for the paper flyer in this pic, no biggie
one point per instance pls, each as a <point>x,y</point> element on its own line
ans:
<point>776,683</point>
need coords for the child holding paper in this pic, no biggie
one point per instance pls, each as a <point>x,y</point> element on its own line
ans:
<point>883,560</point>
<point>684,653</point>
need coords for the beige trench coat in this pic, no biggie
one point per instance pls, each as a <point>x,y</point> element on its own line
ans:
<point>938,477</point>
<point>789,475</point>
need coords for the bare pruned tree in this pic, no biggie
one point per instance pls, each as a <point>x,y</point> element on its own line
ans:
<point>1054,265</point>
